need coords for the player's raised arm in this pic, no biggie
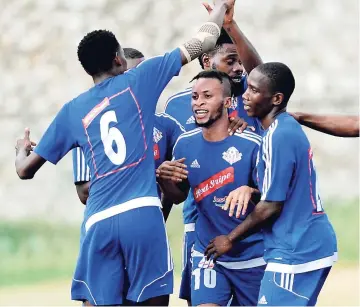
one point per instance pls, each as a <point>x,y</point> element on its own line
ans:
<point>208,33</point>
<point>336,125</point>
<point>247,52</point>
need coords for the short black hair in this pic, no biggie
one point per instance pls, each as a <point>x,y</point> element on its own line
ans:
<point>224,38</point>
<point>97,51</point>
<point>132,53</point>
<point>280,77</point>
<point>224,78</point>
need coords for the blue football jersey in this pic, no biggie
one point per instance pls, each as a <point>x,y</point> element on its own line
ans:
<point>113,124</point>
<point>302,238</point>
<point>212,178</point>
<point>179,107</point>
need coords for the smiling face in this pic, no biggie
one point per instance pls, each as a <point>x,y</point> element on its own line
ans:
<point>209,102</point>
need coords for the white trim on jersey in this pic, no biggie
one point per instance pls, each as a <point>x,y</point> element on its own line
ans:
<point>267,157</point>
<point>189,227</point>
<point>180,94</point>
<point>238,265</point>
<point>82,170</point>
<point>251,137</point>
<point>162,114</point>
<point>86,285</point>
<point>185,135</point>
<point>303,267</point>
<point>121,208</point>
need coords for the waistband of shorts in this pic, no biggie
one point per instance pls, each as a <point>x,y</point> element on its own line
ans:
<point>189,227</point>
<point>237,265</point>
<point>135,203</point>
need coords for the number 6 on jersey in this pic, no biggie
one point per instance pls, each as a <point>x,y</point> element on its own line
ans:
<point>109,136</point>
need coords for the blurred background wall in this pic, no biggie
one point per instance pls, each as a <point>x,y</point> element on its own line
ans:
<point>318,39</point>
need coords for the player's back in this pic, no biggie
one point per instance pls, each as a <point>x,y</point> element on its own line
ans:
<point>113,124</point>
<point>212,179</point>
<point>303,232</point>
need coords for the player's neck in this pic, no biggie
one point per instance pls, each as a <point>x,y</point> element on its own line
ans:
<point>100,78</point>
<point>218,131</point>
<point>270,117</point>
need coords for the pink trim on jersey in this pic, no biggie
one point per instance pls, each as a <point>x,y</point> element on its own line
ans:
<point>96,111</point>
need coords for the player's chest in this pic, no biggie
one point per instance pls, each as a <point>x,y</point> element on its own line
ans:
<point>213,170</point>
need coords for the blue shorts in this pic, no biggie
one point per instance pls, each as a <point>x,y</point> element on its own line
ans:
<point>126,256</point>
<point>215,284</point>
<point>188,244</point>
<point>282,289</point>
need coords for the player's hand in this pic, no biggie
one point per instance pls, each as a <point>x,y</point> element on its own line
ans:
<point>218,247</point>
<point>240,198</point>
<point>172,170</point>
<point>25,144</point>
<point>229,15</point>
<point>237,124</point>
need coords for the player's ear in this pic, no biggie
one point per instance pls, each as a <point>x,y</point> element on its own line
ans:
<point>227,102</point>
<point>206,61</point>
<point>277,99</point>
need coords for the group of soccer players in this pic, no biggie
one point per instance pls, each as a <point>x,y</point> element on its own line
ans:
<point>255,229</point>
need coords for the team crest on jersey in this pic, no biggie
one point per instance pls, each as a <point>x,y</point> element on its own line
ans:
<point>206,264</point>
<point>157,135</point>
<point>232,155</point>
<point>191,120</point>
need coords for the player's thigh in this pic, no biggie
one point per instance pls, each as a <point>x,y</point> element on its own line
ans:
<point>147,255</point>
<point>246,285</point>
<point>284,289</point>
<point>208,284</point>
<point>99,274</point>
<point>188,245</point>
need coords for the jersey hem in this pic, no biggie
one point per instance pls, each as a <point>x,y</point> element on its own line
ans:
<point>121,208</point>
<point>303,267</point>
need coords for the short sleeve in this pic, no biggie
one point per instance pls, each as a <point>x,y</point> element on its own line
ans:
<point>176,130</point>
<point>153,74</point>
<point>58,139</point>
<point>279,157</point>
<point>80,169</point>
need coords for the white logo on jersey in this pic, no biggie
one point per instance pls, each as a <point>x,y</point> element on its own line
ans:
<point>157,135</point>
<point>263,300</point>
<point>232,155</point>
<point>191,120</point>
<point>195,164</point>
<point>234,103</point>
<point>206,264</point>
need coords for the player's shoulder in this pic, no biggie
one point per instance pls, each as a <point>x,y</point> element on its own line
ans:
<point>285,126</point>
<point>167,121</point>
<point>188,136</point>
<point>248,136</point>
<point>181,96</point>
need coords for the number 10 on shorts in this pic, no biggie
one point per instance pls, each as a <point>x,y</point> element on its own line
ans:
<point>207,276</point>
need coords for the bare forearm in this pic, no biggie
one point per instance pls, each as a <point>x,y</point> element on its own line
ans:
<point>255,220</point>
<point>172,191</point>
<point>247,52</point>
<point>343,126</point>
<point>27,165</point>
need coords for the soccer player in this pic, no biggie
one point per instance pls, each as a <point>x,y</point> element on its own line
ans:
<point>165,133</point>
<point>234,55</point>
<point>216,164</point>
<point>300,243</point>
<point>113,124</point>
<point>336,125</point>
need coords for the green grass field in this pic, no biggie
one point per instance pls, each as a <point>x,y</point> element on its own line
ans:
<point>36,252</point>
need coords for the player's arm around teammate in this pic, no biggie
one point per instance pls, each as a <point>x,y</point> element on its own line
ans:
<point>336,125</point>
